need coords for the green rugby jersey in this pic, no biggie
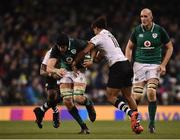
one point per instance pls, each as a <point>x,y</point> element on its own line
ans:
<point>149,43</point>
<point>65,60</point>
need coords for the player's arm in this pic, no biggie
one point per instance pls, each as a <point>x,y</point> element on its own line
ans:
<point>168,53</point>
<point>130,45</point>
<point>81,54</point>
<point>169,50</point>
<point>129,50</point>
<point>51,69</point>
<point>89,59</point>
<point>43,71</point>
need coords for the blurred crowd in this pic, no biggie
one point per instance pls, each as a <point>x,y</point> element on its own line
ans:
<point>26,26</point>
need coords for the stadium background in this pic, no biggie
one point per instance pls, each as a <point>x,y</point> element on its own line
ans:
<point>25,29</point>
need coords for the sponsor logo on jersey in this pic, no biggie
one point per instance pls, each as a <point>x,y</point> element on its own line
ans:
<point>154,35</point>
<point>141,35</point>
<point>147,43</point>
<point>73,51</point>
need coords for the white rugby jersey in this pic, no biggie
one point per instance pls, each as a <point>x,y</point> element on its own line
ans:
<point>46,58</point>
<point>106,42</point>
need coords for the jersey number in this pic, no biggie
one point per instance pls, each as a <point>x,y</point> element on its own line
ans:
<point>114,41</point>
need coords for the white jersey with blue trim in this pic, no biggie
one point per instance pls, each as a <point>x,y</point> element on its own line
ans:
<point>106,42</point>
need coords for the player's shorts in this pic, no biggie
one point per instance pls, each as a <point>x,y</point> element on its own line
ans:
<point>120,75</point>
<point>79,84</point>
<point>51,83</point>
<point>144,72</point>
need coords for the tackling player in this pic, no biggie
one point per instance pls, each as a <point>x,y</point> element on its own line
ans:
<point>120,71</point>
<point>53,95</point>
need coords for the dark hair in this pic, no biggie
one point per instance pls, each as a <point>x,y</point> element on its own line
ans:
<point>100,22</point>
<point>60,39</point>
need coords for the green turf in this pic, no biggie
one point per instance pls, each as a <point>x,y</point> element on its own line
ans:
<point>99,130</point>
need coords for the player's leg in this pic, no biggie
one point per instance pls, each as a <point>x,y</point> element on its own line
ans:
<point>135,120</point>
<point>51,103</point>
<point>79,90</point>
<point>68,101</point>
<point>83,100</point>
<point>153,76</point>
<point>139,79</point>
<point>121,105</point>
<point>66,89</point>
<point>120,75</point>
<point>55,109</point>
<point>152,106</point>
<point>118,103</point>
<point>137,91</point>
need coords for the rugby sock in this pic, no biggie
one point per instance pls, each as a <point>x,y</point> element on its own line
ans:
<point>152,106</point>
<point>88,102</point>
<point>44,107</point>
<point>74,112</point>
<point>122,106</point>
<point>55,109</point>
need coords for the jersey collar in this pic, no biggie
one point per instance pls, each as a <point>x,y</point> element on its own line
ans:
<point>69,44</point>
<point>152,28</point>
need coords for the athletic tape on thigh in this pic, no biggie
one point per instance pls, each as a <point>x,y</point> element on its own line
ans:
<point>138,89</point>
<point>152,85</point>
<point>66,92</point>
<point>79,88</point>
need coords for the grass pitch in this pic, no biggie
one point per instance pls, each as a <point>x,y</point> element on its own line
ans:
<point>98,129</point>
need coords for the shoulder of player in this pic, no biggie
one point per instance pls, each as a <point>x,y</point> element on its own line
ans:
<point>159,28</point>
<point>97,37</point>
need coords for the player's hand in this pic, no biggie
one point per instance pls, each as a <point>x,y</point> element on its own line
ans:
<point>162,69</point>
<point>74,68</point>
<point>75,74</point>
<point>55,76</point>
<point>87,64</point>
<point>61,72</point>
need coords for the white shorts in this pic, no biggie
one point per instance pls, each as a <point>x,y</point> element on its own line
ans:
<point>79,82</point>
<point>144,72</point>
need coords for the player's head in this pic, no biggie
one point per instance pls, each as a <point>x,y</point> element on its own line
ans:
<point>99,24</point>
<point>146,17</point>
<point>62,42</point>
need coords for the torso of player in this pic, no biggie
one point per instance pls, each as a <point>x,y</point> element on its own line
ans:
<point>148,45</point>
<point>67,58</point>
<point>106,42</point>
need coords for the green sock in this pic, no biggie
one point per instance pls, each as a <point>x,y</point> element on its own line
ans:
<point>88,102</point>
<point>74,112</point>
<point>152,112</point>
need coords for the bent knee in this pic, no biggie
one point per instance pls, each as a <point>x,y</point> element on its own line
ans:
<point>80,99</point>
<point>68,102</point>
<point>52,94</point>
<point>151,91</point>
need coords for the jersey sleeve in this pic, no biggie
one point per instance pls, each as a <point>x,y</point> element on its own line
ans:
<point>164,36</point>
<point>46,58</point>
<point>54,52</point>
<point>133,36</point>
<point>96,40</point>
